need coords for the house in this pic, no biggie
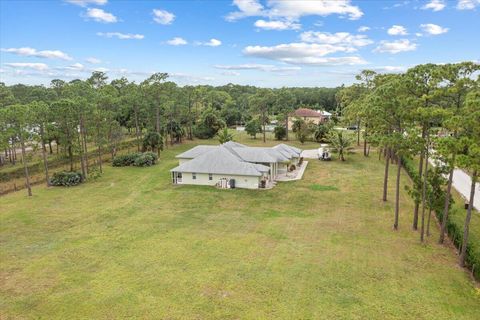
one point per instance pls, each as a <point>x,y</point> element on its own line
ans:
<point>315,116</point>
<point>234,163</point>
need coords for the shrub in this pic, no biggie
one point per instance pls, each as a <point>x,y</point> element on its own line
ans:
<point>145,159</point>
<point>291,167</point>
<point>203,132</point>
<point>137,159</point>
<point>125,160</point>
<point>66,179</point>
<point>279,132</point>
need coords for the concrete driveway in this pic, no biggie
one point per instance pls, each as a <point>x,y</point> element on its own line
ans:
<point>310,154</point>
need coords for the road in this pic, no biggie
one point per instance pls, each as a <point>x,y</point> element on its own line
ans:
<point>462,182</point>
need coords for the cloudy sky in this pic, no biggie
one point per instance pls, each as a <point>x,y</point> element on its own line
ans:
<point>269,43</point>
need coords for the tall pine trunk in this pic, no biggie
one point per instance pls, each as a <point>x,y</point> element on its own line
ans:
<point>100,158</point>
<point>358,132</point>
<point>44,155</point>
<point>137,129</point>
<point>365,143</point>
<point>467,220</point>
<point>385,177</point>
<point>428,221</point>
<point>424,196</point>
<point>82,164</point>
<point>397,193</point>
<point>70,156</point>
<point>446,207</point>
<point>25,167</point>
<point>420,173</point>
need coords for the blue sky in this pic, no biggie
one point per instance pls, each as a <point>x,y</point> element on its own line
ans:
<point>265,43</point>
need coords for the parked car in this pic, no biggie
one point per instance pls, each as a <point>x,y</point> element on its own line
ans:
<point>354,127</point>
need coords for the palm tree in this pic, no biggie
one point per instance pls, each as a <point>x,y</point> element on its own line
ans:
<point>340,142</point>
<point>224,136</point>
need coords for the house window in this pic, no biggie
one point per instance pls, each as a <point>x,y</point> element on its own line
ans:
<point>210,176</point>
<point>194,176</point>
<point>179,175</point>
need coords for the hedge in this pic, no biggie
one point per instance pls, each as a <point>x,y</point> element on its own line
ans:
<point>66,179</point>
<point>455,231</point>
<point>136,159</point>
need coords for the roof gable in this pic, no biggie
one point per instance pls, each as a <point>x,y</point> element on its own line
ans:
<point>220,161</point>
<point>305,112</point>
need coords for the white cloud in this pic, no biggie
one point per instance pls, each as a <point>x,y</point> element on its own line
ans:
<point>433,29</point>
<point>101,69</point>
<point>122,36</point>
<point>339,38</point>
<point>93,60</point>
<point>211,43</point>
<point>177,41</point>
<point>396,46</point>
<point>31,52</point>
<point>188,78</point>
<point>247,8</point>
<point>304,53</point>
<point>100,15</point>
<point>230,73</point>
<point>163,17</point>
<point>294,10</point>
<point>28,65</point>
<point>73,67</point>
<point>390,69</point>
<point>435,5</point>
<point>277,25</point>
<point>467,4</point>
<point>397,30</point>
<point>255,66</point>
<point>84,3</point>
<point>363,29</point>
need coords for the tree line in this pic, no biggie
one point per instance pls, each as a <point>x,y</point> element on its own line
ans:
<point>74,117</point>
<point>430,113</point>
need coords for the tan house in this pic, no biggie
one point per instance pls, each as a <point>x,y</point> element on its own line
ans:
<point>309,115</point>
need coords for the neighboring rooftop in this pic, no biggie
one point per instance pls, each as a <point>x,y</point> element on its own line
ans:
<point>305,112</point>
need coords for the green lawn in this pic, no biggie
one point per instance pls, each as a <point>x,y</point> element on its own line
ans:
<point>131,245</point>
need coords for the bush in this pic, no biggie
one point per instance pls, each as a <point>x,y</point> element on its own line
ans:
<point>291,167</point>
<point>137,159</point>
<point>145,159</point>
<point>125,160</point>
<point>203,132</point>
<point>66,179</point>
<point>279,132</point>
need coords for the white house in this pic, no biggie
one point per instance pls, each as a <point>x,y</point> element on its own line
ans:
<point>233,165</point>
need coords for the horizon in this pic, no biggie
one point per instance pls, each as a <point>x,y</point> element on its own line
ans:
<point>269,44</point>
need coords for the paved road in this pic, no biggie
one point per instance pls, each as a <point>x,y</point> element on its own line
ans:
<point>462,182</point>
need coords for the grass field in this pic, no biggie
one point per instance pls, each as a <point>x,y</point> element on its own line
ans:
<point>131,245</point>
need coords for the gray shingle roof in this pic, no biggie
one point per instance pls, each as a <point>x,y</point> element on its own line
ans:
<point>195,152</point>
<point>294,152</point>
<point>252,154</point>
<point>221,161</point>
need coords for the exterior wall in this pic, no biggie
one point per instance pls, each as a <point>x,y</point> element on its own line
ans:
<point>315,120</point>
<point>247,182</point>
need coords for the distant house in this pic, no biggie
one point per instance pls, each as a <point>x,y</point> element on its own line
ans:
<point>240,165</point>
<point>315,116</point>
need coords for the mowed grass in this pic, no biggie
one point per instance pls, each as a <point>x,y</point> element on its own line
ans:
<point>131,245</point>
